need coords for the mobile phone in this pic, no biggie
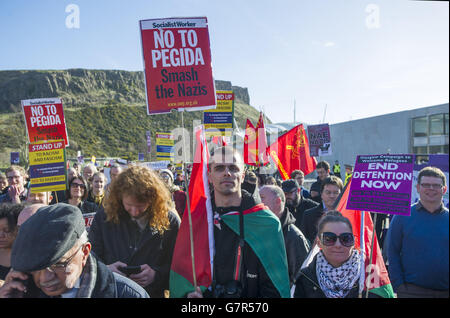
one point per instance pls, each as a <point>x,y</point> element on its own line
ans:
<point>17,293</point>
<point>128,270</point>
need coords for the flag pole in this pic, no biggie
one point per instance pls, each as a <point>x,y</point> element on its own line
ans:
<point>191,234</point>
<point>362,275</point>
<point>371,249</point>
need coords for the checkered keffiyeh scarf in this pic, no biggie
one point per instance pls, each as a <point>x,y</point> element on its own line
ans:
<point>337,282</point>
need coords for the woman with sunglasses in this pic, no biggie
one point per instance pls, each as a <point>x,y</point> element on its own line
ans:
<point>335,270</point>
<point>77,194</point>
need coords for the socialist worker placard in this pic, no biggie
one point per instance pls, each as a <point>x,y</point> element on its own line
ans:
<point>44,119</point>
<point>177,64</point>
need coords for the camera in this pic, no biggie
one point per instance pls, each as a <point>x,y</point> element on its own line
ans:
<point>231,289</point>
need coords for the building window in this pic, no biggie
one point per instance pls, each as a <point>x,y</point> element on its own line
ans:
<point>430,134</point>
<point>437,125</point>
<point>420,128</point>
<point>446,125</point>
<point>420,150</point>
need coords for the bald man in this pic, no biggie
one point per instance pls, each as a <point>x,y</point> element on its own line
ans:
<point>27,212</point>
<point>297,246</point>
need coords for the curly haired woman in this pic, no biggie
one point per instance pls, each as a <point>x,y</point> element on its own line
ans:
<point>137,227</point>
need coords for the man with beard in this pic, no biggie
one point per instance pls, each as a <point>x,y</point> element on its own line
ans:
<point>295,202</point>
<point>245,265</point>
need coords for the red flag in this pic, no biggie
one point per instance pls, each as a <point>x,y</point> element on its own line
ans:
<point>255,143</point>
<point>250,144</point>
<point>220,141</point>
<point>261,142</point>
<point>181,274</point>
<point>375,276</point>
<point>291,152</point>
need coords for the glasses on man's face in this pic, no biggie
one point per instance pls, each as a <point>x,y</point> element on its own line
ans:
<point>61,267</point>
<point>78,185</point>
<point>434,186</point>
<point>330,239</point>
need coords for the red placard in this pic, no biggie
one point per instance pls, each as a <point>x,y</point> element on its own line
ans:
<point>44,119</point>
<point>177,64</point>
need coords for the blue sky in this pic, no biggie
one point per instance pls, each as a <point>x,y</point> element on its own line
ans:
<point>359,58</point>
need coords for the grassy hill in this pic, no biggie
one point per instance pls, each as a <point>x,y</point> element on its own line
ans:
<point>105,111</point>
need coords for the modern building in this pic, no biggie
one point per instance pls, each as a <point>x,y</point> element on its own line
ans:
<point>421,131</point>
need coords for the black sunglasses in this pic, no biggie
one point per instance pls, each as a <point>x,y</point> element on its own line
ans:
<point>329,239</point>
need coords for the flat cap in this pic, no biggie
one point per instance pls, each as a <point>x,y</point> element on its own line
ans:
<point>46,236</point>
<point>289,185</point>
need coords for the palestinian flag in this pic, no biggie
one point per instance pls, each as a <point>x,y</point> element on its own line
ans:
<point>262,231</point>
<point>194,249</point>
<point>374,276</point>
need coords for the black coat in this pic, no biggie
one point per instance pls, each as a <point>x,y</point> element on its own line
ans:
<point>254,279</point>
<point>297,246</point>
<point>125,242</point>
<point>307,285</point>
<point>303,205</point>
<point>317,186</point>
<point>310,221</point>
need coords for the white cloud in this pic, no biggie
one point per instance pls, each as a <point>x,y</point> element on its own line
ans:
<point>329,44</point>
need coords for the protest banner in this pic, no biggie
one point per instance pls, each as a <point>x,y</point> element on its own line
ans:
<point>319,140</point>
<point>155,165</point>
<point>140,156</point>
<point>177,64</point>
<point>47,166</point>
<point>44,120</point>
<point>14,158</point>
<point>165,146</point>
<point>219,121</point>
<point>382,184</point>
<point>88,218</point>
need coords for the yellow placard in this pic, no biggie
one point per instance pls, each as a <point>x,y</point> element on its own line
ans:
<point>48,179</point>
<point>167,154</point>
<point>44,157</point>
<point>165,142</point>
<point>59,187</point>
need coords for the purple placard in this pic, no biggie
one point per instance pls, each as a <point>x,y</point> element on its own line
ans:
<point>382,183</point>
<point>14,158</point>
<point>319,140</point>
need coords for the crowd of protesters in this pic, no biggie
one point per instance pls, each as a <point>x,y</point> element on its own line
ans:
<point>46,250</point>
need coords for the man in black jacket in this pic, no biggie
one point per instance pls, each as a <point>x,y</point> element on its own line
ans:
<point>295,201</point>
<point>51,258</point>
<point>323,172</point>
<point>226,174</point>
<point>330,191</point>
<point>297,246</point>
